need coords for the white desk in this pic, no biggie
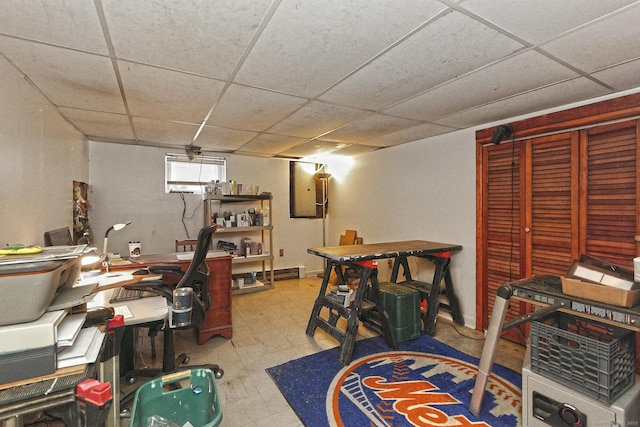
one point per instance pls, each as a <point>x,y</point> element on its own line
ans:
<point>147,309</point>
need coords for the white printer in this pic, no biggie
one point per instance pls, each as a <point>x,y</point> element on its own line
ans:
<point>36,292</point>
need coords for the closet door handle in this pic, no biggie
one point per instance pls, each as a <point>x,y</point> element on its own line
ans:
<point>527,230</point>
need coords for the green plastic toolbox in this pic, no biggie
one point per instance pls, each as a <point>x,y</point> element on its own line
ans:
<point>196,402</point>
<point>402,304</point>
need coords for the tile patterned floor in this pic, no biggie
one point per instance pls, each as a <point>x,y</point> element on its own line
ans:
<point>269,329</point>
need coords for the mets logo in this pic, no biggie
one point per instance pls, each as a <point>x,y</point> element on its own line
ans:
<point>417,389</point>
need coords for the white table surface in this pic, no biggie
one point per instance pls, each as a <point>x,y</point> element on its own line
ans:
<point>144,310</point>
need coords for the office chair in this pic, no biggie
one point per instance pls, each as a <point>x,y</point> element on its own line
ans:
<point>197,278</point>
<point>58,237</point>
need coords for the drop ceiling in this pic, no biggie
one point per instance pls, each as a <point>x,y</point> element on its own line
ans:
<point>291,78</point>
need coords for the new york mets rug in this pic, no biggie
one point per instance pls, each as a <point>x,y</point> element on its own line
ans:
<point>423,383</point>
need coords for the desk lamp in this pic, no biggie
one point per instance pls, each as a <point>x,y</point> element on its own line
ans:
<point>90,258</point>
<point>116,227</point>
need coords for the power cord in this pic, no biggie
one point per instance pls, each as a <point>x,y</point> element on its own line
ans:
<point>463,335</point>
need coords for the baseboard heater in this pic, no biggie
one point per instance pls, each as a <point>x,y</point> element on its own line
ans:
<point>278,274</point>
<point>285,273</point>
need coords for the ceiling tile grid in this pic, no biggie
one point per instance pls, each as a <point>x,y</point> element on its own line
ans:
<point>291,78</point>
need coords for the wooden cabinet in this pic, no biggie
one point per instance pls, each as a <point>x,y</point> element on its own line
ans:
<point>218,318</point>
<point>544,200</point>
<point>261,233</point>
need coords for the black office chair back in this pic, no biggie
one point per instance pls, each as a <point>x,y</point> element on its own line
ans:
<point>197,276</point>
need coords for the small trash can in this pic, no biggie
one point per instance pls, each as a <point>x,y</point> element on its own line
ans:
<point>196,402</point>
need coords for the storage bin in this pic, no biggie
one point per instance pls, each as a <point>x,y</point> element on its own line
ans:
<point>197,402</point>
<point>595,358</point>
<point>402,304</point>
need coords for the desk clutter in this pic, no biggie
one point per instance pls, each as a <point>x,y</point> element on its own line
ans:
<point>37,333</point>
<point>247,247</point>
<point>232,188</point>
<point>249,218</point>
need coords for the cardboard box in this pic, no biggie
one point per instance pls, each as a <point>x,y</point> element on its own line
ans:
<point>600,293</point>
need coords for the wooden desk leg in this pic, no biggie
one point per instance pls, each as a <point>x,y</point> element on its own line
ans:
<point>317,306</point>
<point>433,302</point>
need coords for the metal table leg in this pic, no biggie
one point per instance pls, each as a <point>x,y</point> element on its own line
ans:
<point>500,307</point>
<point>496,327</point>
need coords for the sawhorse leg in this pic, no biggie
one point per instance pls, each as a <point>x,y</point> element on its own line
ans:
<point>368,277</point>
<point>441,262</point>
<point>454,304</point>
<point>317,306</point>
<point>433,301</point>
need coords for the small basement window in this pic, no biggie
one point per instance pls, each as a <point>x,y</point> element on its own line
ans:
<point>185,176</point>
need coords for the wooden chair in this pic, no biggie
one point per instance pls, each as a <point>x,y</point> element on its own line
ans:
<point>186,245</point>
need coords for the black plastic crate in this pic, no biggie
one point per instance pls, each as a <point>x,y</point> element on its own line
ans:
<point>598,359</point>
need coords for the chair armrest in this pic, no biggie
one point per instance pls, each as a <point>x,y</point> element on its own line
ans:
<point>157,287</point>
<point>165,268</point>
<point>168,269</point>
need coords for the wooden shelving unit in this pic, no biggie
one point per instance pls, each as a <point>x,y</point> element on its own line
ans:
<point>262,233</point>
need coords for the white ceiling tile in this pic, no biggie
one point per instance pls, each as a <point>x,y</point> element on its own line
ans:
<point>204,37</point>
<point>597,46</point>
<point>519,73</point>
<point>223,139</point>
<point>312,148</point>
<point>162,94</point>
<point>369,127</point>
<point>563,93</point>
<point>67,77</point>
<point>451,46</point>
<point>271,144</point>
<point>407,135</point>
<point>252,109</point>
<point>355,150</point>
<point>68,23</point>
<point>164,131</point>
<point>540,20</point>
<point>309,46</point>
<point>317,118</point>
<point>98,125</point>
<point>314,70</point>
<point>621,77</point>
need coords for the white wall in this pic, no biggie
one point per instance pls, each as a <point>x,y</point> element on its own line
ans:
<point>127,183</point>
<point>40,157</point>
<point>423,190</point>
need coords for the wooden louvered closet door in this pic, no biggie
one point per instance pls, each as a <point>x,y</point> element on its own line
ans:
<point>550,205</point>
<point>547,200</point>
<point>501,223</point>
<point>531,213</point>
<point>609,186</point>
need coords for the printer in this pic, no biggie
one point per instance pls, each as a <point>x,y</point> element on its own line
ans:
<point>36,293</point>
